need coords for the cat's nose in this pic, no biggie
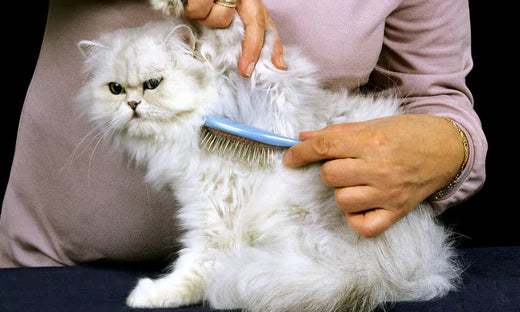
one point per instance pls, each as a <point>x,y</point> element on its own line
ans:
<point>133,104</point>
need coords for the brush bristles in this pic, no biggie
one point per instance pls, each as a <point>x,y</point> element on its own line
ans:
<point>241,149</point>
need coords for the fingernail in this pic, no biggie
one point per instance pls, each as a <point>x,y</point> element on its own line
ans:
<point>281,62</point>
<point>250,69</point>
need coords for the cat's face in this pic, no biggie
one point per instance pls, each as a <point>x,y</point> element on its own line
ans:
<point>141,84</point>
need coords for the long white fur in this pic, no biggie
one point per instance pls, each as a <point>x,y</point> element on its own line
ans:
<point>258,239</point>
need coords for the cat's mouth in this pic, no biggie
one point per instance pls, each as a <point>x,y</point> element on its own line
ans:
<point>145,122</point>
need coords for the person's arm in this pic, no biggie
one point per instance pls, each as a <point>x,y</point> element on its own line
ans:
<point>427,56</point>
<point>382,169</point>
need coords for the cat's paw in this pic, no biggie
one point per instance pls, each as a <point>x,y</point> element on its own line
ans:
<point>160,294</point>
<point>143,295</point>
<point>169,7</point>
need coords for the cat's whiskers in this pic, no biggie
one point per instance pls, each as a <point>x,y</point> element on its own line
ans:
<point>91,136</point>
<point>97,135</point>
<point>101,137</point>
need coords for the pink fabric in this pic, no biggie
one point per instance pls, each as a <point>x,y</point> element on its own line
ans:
<point>70,201</point>
<point>420,47</point>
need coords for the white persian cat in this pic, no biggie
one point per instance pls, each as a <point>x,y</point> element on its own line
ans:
<point>258,238</point>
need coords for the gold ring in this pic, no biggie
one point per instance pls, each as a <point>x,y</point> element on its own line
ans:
<point>227,3</point>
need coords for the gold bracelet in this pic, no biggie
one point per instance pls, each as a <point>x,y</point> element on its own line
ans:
<point>440,193</point>
<point>226,3</point>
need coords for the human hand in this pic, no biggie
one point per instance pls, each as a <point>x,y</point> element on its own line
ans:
<point>381,169</point>
<point>255,18</point>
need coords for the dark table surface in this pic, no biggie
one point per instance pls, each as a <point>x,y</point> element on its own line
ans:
<point>491,283</point>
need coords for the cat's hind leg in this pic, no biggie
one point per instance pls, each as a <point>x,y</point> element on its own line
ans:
<point>185,285</point>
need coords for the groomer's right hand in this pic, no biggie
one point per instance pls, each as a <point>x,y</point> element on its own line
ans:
<point>255,17</point>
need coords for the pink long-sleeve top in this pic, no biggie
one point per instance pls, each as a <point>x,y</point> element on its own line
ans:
<point>422,48</point>
<point>71,201</point>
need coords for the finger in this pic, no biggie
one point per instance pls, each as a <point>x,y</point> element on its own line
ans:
<point>218,17</point>
<point>372,222</point>
<point>198,9</point>
<point>356,199</point>
<point>277,53</point>
<point>254,31</point>
<point>321,147</point>
<point>351,126</point>
<point>345,172</point>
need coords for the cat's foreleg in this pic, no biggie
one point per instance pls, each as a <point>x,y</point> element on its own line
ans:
<point>185,285</point>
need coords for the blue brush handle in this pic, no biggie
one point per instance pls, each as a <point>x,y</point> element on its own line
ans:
<point>248,132</point>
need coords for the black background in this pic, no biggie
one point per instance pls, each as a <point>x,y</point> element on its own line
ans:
<point>487,219</point>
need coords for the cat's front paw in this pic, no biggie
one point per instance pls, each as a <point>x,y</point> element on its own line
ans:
<point>144,295</point>
<point>160,294</point>
<point>169,7</point>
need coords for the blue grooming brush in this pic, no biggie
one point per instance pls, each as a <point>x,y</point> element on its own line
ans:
<point>243,142</point>
<point>244,131</point>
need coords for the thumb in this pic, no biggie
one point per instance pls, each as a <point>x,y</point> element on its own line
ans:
<point>372,222</point>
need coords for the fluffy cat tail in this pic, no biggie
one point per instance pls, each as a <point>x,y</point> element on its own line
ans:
<point>259,281</point>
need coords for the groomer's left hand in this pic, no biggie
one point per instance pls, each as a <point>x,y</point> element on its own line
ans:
<point>382,169</point>
<point>255,18</point>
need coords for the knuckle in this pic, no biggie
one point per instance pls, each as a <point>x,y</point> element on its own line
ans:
<point>327,173</point>
<point>322,146</point>
<point>363,228</point>
<point>402,201</point>
<point>378,139</point>
<point>348,201</point>
<point>341,198</point>
<point>395,195</point>
<point>383,171</point>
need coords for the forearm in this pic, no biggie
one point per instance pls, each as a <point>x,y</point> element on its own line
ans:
<point>426,57</point>
<point>473,176</point>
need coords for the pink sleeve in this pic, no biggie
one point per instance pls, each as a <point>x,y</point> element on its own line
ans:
<point>426,55</point>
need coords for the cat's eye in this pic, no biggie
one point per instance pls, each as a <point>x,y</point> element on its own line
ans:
<point>116,88</point>
<point>151,84</point>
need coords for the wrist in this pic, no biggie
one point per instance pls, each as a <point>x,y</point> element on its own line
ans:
<point>437,195</point>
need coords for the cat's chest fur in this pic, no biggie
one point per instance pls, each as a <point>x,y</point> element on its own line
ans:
<point>236,205</point>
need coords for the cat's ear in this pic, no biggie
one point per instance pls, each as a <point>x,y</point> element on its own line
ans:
<point>183,33</point>
<point>86,47</point>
